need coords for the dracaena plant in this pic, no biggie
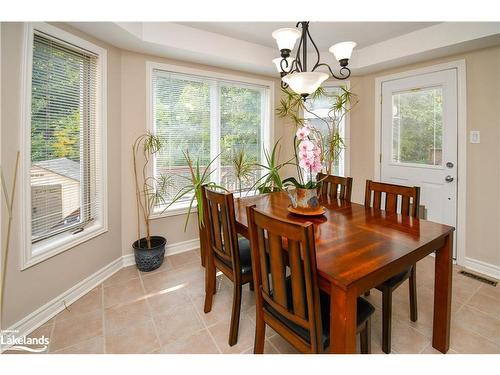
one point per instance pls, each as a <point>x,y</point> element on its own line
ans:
<point>293,107</point>
<point>150,191</point>
<point>243,168</point>
<point>270,180</point>
<point>198,176</point>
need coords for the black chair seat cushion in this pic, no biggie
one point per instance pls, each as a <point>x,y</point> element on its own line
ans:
<point>364,311</point>
<point>245,256</point>
<point>395,280</point>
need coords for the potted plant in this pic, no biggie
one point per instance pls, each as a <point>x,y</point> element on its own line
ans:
<point>308,162</point>
<point>198,176</point>
<point>315,149</point>
<point>150,191</point>
<point>293,106</point>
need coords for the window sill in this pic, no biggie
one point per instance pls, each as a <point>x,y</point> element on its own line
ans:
<point>53,246</point>
<point>175,210</point>
<point>183,208</point>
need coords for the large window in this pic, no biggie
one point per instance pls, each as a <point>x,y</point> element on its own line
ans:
<point>208,117</point>
<point>320,107</point>
<point>64,135</point>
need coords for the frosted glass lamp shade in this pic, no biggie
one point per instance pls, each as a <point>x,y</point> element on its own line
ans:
<point>342,51</point>
<point>286,67</point>
<point>305,83</point>
<point>286,38</point>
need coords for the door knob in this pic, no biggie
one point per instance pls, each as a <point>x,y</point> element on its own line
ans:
<point>448,178</point>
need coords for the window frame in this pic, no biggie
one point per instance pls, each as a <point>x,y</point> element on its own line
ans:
<point>34,253</point>
<point>182,208</point>
<point>346,155</point>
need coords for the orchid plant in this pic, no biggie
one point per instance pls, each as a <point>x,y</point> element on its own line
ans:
<point>308,158</point>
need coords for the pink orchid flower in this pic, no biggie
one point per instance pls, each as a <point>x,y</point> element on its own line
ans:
<point>302,133</point>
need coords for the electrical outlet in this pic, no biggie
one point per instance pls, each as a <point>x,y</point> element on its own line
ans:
<point>475,136</point>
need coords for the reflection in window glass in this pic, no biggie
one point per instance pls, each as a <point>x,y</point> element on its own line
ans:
<point>417,126</point>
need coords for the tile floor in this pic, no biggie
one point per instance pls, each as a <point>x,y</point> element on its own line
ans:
<point>162,312</point>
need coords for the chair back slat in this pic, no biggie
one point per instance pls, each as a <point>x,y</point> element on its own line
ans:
<point>409,197</point>
<point>297,278</point>
<point>292,291</point>
<point>220,225</point>
<point>278,273</point>
<point>335,187</point>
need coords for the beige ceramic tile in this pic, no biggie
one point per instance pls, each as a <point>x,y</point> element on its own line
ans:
<point>465,341</point>
<point>486,304</point>
<point>246,334</point>
<point>90,302</point>
<point>166,301</point>
<point>407,340</point>
<point>181,259</point>
<point>124,315</point>
<point>127,291</point>
<point>162,282</point>
<point>177,324</point>
<point>125,274</point>
<point>283,346</point>
<point>138,338</point>
<point>71,331</point>
<point>199,342</point>
<point>474,320</point>
<point>92,346</point>
<point>491,291</point>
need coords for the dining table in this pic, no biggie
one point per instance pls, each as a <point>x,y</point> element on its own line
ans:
<point>358,248</point>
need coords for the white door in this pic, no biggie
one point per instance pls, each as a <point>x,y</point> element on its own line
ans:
<point>419,140</point>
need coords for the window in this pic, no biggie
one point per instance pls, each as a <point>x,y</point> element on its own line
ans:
<point>417,126</point>
<point>209,117</point>
<point>320,108</point>
<point>64,135</point>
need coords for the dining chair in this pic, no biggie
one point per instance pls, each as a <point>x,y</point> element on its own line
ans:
<point>226,252</point>
<point>335,187</point>
<point>408,200</point>
<point>288,298</point>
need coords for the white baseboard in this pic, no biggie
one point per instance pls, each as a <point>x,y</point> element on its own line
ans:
<point>38,317</point>
<point>175,248</point>
<point>482,267</point>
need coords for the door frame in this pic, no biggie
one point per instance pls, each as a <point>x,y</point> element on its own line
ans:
<point>459,65</point>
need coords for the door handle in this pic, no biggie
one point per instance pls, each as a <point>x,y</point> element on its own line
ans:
<point>448,178</point>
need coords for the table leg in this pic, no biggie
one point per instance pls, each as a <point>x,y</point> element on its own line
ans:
<point>342,320</point>
<point>442,296</point>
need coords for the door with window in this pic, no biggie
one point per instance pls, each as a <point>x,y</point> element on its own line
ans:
<point>419,140</point>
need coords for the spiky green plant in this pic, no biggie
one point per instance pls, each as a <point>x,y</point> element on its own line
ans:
<point>198,176</point>
<point>270,180</point>
<point>243,168</point>
<point>293,106</point>
<point>150,191</point>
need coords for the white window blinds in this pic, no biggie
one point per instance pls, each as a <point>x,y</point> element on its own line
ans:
<point>64,156</point>
<point>207,117</point>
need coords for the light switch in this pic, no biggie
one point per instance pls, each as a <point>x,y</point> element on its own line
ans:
<point>475,136</point>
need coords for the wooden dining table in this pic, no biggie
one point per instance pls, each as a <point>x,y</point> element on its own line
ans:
<point>358,248</point>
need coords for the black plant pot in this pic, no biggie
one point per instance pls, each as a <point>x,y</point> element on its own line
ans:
<point>149,259</point>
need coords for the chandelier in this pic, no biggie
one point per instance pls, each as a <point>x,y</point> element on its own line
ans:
<point>293,70</point>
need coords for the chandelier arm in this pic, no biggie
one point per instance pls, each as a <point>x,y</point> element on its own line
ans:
<point>342,75</point>
<point>316,48</point>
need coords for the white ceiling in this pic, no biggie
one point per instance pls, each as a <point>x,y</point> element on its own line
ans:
<point>249,46</point>
<point>324,34</point>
